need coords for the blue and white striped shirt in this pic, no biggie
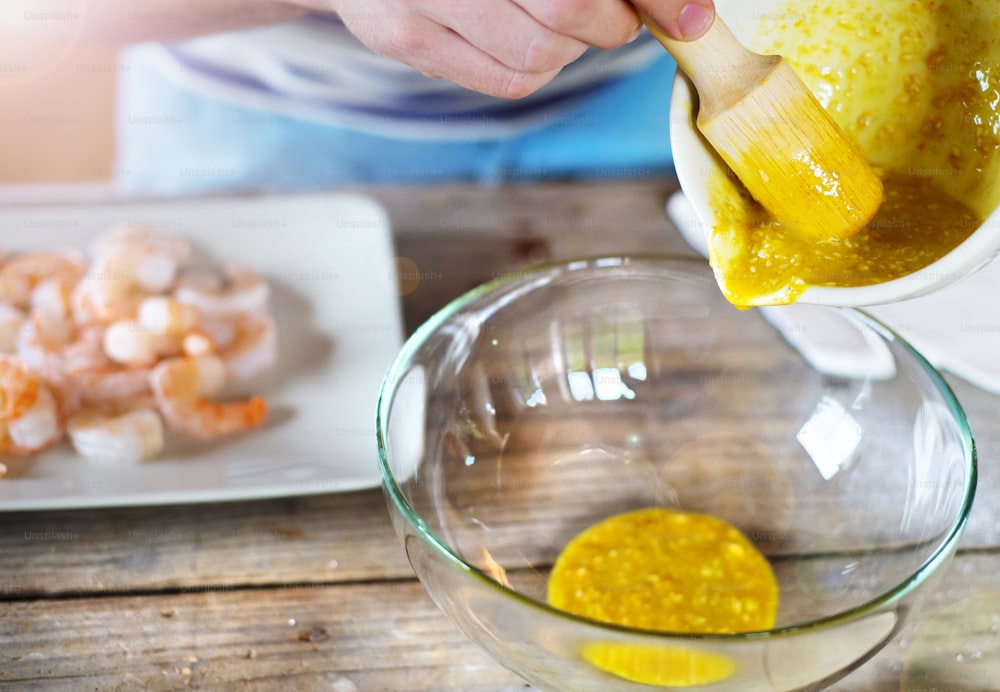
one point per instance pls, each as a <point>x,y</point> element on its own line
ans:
<point>314,69</point>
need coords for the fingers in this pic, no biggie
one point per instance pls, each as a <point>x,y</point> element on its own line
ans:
<point>682,19</point>
<point>437,51</point>
<point>600,23</point>
<point>507,48</point>
<point>504,31</point>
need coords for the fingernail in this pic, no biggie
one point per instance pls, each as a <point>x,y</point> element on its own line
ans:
<point>694,20</point>
<point>635,34</point>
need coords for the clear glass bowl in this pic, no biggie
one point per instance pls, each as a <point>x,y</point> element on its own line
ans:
<point>541,403</point>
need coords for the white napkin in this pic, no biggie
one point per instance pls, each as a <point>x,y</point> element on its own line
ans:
<point>957,328</point>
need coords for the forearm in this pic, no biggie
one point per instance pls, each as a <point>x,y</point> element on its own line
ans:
<point>120,22</point>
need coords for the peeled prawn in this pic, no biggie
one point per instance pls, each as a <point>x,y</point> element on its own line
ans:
<point>51,347</point>
<point>240,290</point>
<point>38,266</point>
<point>119,438</point>
<point>123,347</point>
<point>253,347</point>
<point>15,291</point>
<point>180,386</point>
<point>129,265</point>
<point>53,296</point>
<point>18,388</point>
<point>131,343</point>
<point>164,315</point>
<point>106,385</point>
<point>11,321</point>
<point>71,362</point>
<point>150,257</point>
<point>107,294</point>
<point>21,273</point>
<point>159,330</point>
<point>198,342</point>
<point>34,430</point>
<point>148,270</point>
<point>126,237</point>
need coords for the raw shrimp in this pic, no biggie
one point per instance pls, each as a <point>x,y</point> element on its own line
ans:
<point>11,321</point>
<point>119,438</point>
<point>179,385</point>
<point>240,290</point>
<point>253,347</point>
<point>34,430</point>
<point>18,388</point>
<point>20,274</point>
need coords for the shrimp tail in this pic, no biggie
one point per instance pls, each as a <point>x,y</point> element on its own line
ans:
<point>181,386</point>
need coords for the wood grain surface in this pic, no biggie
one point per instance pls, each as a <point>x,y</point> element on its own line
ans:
<point>315,593</point>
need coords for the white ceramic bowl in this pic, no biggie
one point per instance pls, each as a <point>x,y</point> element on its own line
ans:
<point>697,164</point>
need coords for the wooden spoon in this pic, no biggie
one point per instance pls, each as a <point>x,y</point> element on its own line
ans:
<point>775,136</point>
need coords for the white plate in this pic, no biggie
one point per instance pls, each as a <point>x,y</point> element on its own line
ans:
<point>331,264</point>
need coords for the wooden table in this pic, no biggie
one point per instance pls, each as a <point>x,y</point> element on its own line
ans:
<point>315,592</point>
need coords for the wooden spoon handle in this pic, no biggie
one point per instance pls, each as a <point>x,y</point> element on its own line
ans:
<point>722,69</point>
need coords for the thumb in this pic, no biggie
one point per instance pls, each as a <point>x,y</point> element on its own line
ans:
<point>684,20</point>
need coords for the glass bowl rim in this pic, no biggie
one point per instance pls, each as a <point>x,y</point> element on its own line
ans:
<point>398,368</point>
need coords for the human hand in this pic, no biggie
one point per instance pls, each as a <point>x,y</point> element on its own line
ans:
<point>682,19</point>
<point>506,48</point>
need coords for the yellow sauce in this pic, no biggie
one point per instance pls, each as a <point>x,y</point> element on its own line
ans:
<point>665,570</point>
<point>916,224</point>
<point>664,666</point>
<point>914,84</point>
